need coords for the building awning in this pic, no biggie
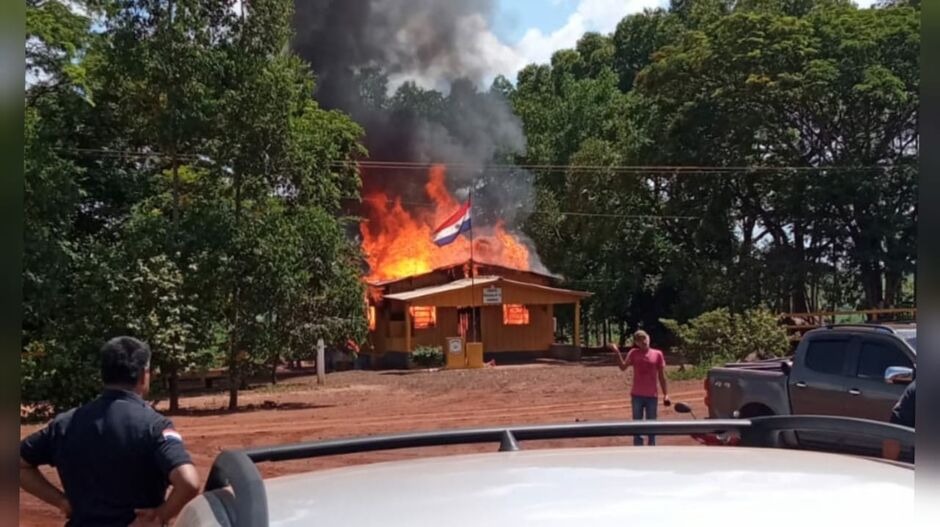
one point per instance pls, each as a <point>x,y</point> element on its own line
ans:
<point>467,291</point>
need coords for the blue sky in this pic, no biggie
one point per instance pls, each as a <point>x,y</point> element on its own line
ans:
<point>521,32</point>
<point>530,25</point>
<point>514,17</point>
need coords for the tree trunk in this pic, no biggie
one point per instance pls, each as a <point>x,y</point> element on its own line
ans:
<point>234,381</point>
<point>893,283</point>
<point>274,369</point>
<point>232,390</point>
<point>798,283</point>
<point>174,385</point>
<point>871,284</point>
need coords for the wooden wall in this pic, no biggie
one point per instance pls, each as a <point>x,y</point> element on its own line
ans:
<point>539,335</point>
<point>437,336</point>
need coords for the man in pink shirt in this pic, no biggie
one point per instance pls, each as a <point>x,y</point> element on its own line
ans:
<point>648,365</point>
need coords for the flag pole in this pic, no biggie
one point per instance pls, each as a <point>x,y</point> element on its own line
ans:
<point>473,310</point>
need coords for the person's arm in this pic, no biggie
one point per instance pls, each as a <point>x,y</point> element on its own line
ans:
<point>34,482</point>
<point>36,450</point>
<point>184,481</point>
<point>903,412</point>
<point>662,379</point>
<point>174,461</point>
<point>624,361</point>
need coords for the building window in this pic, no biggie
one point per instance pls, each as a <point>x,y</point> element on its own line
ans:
<point>371,315</point>
<point>515,315</point>
<point>423,317</point>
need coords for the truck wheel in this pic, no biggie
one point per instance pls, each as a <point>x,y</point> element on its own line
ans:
<point>754,410</point>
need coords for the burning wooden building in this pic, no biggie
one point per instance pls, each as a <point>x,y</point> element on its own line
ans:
<point>429,286</point>
<point>510,312</point>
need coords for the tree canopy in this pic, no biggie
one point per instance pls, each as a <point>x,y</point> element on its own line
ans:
<point>184,185</point>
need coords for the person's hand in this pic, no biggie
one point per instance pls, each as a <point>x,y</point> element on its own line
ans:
<point>147,518</point>
<point>666,400</point>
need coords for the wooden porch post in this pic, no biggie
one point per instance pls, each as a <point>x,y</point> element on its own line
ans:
<point>407,328</point>
<point>577,323</point>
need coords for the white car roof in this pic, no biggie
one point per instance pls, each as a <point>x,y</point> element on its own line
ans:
<point>602,486</point>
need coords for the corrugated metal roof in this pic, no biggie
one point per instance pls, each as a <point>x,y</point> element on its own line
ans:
<point>478,263</point>
<point>466,283</point>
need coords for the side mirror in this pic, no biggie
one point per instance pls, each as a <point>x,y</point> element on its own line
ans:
<point>899,375</point>
<point>682,408</point>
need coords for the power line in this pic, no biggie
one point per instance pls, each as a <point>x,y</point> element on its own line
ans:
<point>428,204</point>
<point>619,169</point>
<point>643,169</point>
<point>104,152</point>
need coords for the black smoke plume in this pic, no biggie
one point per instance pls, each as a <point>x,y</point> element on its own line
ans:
<point>362,51</point>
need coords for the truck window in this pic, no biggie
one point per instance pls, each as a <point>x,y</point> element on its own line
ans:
<point>827,356</point>
<point>875,357</point>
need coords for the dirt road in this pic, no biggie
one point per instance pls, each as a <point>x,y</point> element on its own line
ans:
<point>365,403</point>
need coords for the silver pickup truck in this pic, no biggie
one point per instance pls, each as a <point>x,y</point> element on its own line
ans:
<point>840,370</point>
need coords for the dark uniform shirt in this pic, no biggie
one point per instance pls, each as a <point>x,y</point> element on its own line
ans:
<point>903,412</point>
<point>113,455</point>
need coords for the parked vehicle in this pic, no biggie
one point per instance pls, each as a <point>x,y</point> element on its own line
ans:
<point>840,370</point>
<point>597,486</point>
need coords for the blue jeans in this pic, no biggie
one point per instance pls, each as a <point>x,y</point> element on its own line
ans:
<point>641,406</point>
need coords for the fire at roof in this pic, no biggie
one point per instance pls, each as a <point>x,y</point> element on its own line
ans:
<point>397,236</point>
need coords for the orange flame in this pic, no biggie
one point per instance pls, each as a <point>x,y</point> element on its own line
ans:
<point>398,243</point>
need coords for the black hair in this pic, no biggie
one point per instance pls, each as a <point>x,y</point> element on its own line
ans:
<point>123,361</point>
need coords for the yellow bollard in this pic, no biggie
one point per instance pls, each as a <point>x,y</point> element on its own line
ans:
<point>475,354</point>
<point>456,354</point>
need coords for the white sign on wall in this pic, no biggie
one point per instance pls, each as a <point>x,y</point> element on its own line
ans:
<point>492,295</point>
<point>455,345</point>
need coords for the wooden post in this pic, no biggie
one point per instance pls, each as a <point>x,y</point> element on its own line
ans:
<point>407,328</point>
<point>577,324</point>
<point>321,359</point>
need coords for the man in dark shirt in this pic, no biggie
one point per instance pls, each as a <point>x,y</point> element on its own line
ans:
<point>902,414</point>
<point>115,456</point>
<point>903,411</point>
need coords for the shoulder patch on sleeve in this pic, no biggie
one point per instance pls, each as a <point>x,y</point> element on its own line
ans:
<point>172,435</point>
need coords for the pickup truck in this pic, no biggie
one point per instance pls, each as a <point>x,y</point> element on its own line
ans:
<point>839,370</point>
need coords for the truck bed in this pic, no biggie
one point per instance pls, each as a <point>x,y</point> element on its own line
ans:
<point>758,387</point>
<point>766,364</point>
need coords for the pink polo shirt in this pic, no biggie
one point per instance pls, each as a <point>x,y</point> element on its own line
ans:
<point>646,368</point>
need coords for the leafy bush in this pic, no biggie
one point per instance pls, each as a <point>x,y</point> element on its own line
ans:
<point>719,336</point>
<point>47,366</point>
<point>428,356</point>
<point>759,335</point>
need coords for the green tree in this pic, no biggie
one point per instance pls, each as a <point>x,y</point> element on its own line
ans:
<point>287,158</point>
<point>196,202</point>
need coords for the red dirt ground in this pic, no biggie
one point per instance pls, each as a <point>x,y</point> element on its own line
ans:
<point>365,403</point>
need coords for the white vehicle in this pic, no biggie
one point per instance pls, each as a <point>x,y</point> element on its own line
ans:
<point>594,486</point>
